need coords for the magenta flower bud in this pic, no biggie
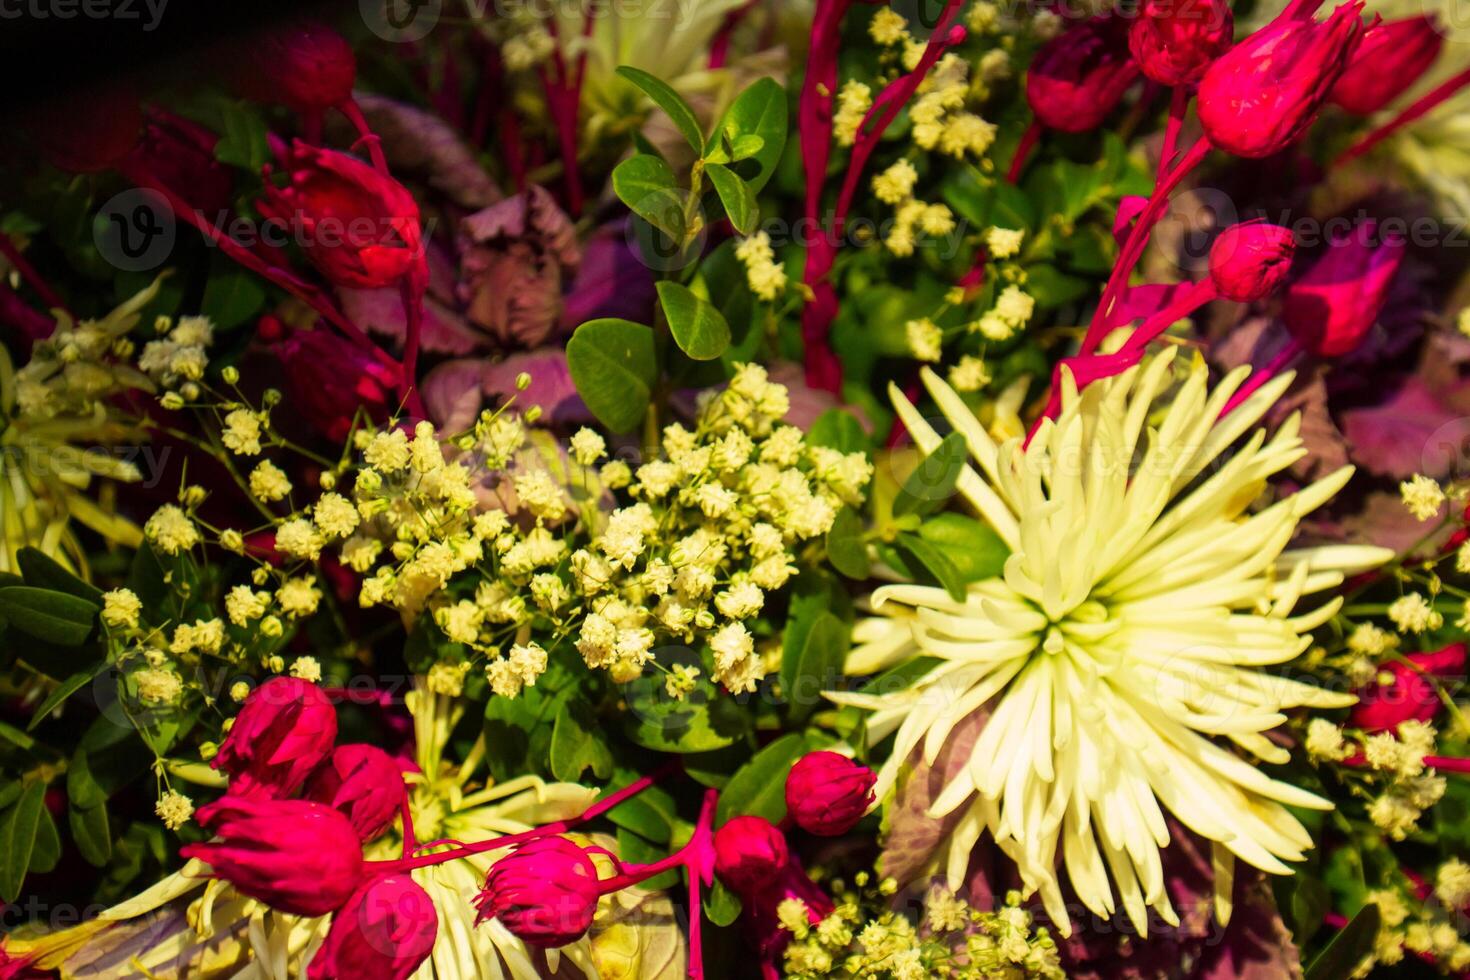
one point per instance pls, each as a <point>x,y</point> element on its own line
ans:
<point>827,794</point>
<point>750,854</point>
<point>1250,260</point>
<point>544,892</point>
<point>1260,97</point>
<point>1410,694</point>
<point>284,731</point>
<point>364,784</point>
<point>1331,306</point>
<point>1392,56</point>
<point>1080,75</point>
<point>295,856</point>
<point>1174,41</point>
<point>385,931</point>
<point>304,66</point>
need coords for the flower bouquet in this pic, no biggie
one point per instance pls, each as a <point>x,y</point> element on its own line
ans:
<point>726,488</point>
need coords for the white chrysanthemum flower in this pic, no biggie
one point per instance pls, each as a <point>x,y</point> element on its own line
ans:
<point>1123,642</point>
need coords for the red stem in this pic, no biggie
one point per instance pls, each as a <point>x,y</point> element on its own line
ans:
<point>1023,151</point>
<point>1425,103</point>
<point>1137,240</point>
<point>32,278</point>
<point>411,294</point>
<point>409,844</point>
<point>353,112</point>
<point>1178,107</point>
<point>1275,366</point>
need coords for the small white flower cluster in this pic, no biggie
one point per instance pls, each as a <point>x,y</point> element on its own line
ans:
<point>766,276</point>
<point>1412,789</point>
<point>1012,310</point>
<point>178,359</point>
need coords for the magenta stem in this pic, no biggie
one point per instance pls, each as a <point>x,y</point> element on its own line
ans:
<point>409,843</point>
<point>1178,107</point>
<point>1424,104</point>
<point>33,278</point>
<point>1137,240</point>
<point>411,294</point>
<point>353,112</point>
<point>1273,367</point>
<point>1023,151</point>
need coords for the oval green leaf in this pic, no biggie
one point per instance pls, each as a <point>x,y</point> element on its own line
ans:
<point>613,365</point>
<point>699,329</point>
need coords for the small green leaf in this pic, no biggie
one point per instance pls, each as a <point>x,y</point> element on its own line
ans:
<point>48,615</point>
<point>44,572</point>
<point>18,828</point>
<point>670,102</point>
<point>721,906</point>
<point>932,482</point>
<point>937,563</point>
<point>846,549</point>
<point>972,546</point>
<point>837,428</point>
<point>82,787</point>
<point>244,143</point>
<point>745,146</point>
<point>231,296</point>
<point>759,111</point>
<point>646,185</point>
<point>613,365</point>
<point>577,745</point>
<point>736,196</point>
<point>92,832</point>
<point>16,737</point>
<point>758,788</point>
<point>705,720</point>
<point>699,329</point>
<point>816,665</point>
<point>47,852</point>
<point>64,690</point>
<point>1348,947</point>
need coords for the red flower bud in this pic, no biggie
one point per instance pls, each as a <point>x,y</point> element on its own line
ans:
<point>1080,75</point>
<point>1331,306</point>
<point>827,794</point>
<point>359,227</point>
<point>284,731</point>
<point>295,856</point>
<point>1174,41</point>
<point>304,66</point>
<point>180,154</point>
<point>1392,56</point>
<point>361,782</point>
<point>1409,694</point>
<point>1260,97</point>
<point>329,379</point>
<point>1250,260</point>
<point>544,892</point>
<point>384,932</point>
<point>750,854</point>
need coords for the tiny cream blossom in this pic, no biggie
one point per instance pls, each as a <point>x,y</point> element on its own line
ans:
<point>387,451</point>
<point>120,609</point>
<point>925,339</point>
<point>1452,883</point>
<point>268,482</point>
<point>1325,741</point>
<point>970,374</point>
<point>298,597</point>
<point>1371,641</point>
<point>171,530</point>
<point>888,27</point>
<point>896,184</point>
<point>1422,496</point>
<point>1413,613</point>
<point>306,669</point>
<point>242,604</point>
<point>174,809</point>
<point>1002,243</point>
<point>158,685</point>
<point>299,538</point>
<point>335,515</point>
<point>241,434</point>
<point>853,103</point>
<point>1014,306</point>
<point>766,276</point>
<point>587,446</point>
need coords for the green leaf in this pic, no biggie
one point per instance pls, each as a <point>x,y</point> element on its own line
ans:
<point>47,851</point>
<point>937,563</point>
<point>92,832</point>
<point>736,196</point>
<point>82,787</point>
<point>1306,901</point>
<point>243,144</point>
<point>974,549</point>
<point>931,485</point>
<point>18,827</point>
<point>231,296</point>
<point>816,665</point>
<point>577,744</point>
<point>646,185</point>
<point>758,111</point>
<point>652,814</point>
<point>16,737</point>
<point>746,146</point>
<point>64,690</point>
<point>1347,948</point>
<point>846,549</point>
<point>614,367</point>
<point>838,429</point>
<point>47,615</point>
<point>706,719</point>
<point>721,906</point>
<point>758,788</point>
<point>670,102</point>
<point>44,572</point>
<point>699,329</point>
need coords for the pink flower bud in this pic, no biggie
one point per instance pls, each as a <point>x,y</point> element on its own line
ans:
<point>304,66</point>
<point>544,892</point>
<point>298,857</point>
<point>1080,75</point>
<point>1392,56</point>
<point>1174,41</point>
<point>1331,306</point>
<point>827,794</point>
<point>359,227</point>
<point>384,932</point>
<point>361,782</point>
<point>1260,97</point>
<point>1250,260</point>
<point>284,731</point>
<point>750,854</point>
<point>1409,694</point>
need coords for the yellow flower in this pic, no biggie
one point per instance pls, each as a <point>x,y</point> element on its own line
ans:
<point>1123,642</point>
